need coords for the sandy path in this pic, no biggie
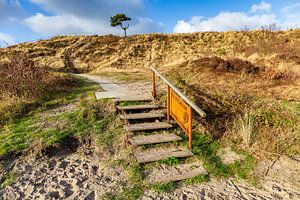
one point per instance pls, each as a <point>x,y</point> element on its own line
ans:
<point>111,89</point>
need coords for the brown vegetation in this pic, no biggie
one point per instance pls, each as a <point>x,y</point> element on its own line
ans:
<point>240,78</point>
<point>23,83</point>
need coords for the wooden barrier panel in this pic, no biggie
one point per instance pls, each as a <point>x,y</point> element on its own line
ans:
<point>181,112</point>
<point>179,106</point>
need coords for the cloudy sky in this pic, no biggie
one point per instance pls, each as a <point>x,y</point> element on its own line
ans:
<point>28,20</point>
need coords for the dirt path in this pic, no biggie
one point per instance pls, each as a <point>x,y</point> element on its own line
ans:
<point>111,89</point>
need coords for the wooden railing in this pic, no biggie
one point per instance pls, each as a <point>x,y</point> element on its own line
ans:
<point>179,106</point>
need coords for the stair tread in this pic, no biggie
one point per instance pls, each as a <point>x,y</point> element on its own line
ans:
<point>151,156</point>
<point>175,173</point>
<point>142,116</point>
<point>154,139</point>
<point>147,126</point>
<point>134,98</point>
<point>137,107</point>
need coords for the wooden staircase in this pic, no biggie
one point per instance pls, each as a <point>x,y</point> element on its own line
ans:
<point>141,117</point>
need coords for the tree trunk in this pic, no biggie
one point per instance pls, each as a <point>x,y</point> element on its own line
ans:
<point>125,32</point>
<point>125,29</point>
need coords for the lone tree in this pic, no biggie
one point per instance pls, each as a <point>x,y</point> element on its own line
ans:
<point>118,20</point>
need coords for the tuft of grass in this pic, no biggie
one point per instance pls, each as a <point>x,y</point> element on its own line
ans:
<point>131,193</point>
<point>163,187</point>
<point>170,161</point>
<point>246,126</point>
<point>197,179</point>
<point>135,173</point>
<point>243,169</point>
<point>8,180</point>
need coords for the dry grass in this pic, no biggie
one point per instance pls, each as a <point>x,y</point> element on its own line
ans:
<point>246,128</point>
<point>23,85</point>
<point>226,73</point>
<point>99,53</point>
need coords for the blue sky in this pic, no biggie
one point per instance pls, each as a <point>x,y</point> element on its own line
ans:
<point>28,20</point>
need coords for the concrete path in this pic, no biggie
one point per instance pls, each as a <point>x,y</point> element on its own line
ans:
<point>112,90</point>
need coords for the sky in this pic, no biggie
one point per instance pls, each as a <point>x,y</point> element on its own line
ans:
<point>30,20</point>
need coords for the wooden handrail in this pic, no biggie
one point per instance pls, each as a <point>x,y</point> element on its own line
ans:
<point>175,89</point>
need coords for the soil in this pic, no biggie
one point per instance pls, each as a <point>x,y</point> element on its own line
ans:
<point>67,176</point>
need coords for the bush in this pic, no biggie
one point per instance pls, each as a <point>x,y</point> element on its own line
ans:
<point>21,78</point>
<point>23,86</point>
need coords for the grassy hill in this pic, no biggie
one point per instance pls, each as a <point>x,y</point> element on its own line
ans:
<point>247,81</point>
<point>112,53</point>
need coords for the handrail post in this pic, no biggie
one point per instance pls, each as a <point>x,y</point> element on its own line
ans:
<point>153,85</point>
<point>190,128</point>
<point>168,105</point>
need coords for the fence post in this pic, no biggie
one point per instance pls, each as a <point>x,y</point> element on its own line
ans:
<point>153,85</point>
<point>168,105</point>
<point>190,128</point>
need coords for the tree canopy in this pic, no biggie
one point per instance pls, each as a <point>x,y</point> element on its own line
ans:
<point>118,20</point>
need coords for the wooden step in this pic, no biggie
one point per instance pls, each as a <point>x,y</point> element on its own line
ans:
<point>152,156</point>
<point>137,107</point>
<point>175,173</point>
<point>138,98</point>
<point>147,126</point>
<point>153,139</point>
<point>142,116</point>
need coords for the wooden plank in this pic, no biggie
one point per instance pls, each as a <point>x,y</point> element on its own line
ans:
<point>142,116</point>
<point>146,157</point>
<point>175,173</point>
<point>154,139</point>
<point>137,107</point>
<point>147,126</point>
<point>134,98</point>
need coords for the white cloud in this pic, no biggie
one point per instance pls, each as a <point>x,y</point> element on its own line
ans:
<point>291,15</point>
<point>70,24</point>
<point>6,39</point>
<point>89,17</point>
<point>225,21</point>
<point>263,7</point>
<point>60,24</point>
<point>259,15</point>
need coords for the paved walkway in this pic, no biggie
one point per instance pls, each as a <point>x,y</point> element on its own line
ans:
<point>112,90</point>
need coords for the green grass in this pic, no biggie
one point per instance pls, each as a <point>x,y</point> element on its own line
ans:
<point>8,180</point>
<point>135,173</point>
<point>197,179</point>
<point>26,131</point>
<point>133,193</point>
<point>163,187</point>
<point>207,148</point>
<point>244,168</point>
<point>170,161</point>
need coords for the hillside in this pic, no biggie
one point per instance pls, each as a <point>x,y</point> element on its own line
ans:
<point>247,82</point>
<point>112,53</point>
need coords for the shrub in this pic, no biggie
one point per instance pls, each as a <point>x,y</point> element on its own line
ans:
<point>21,78</point>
